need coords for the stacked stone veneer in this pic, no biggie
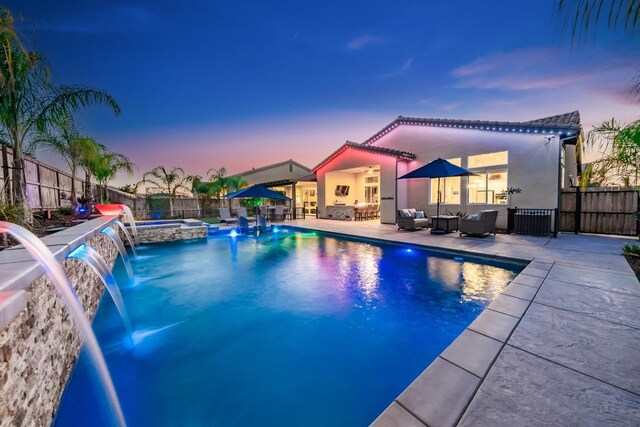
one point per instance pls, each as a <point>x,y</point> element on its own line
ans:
<point>170,232</point>
<point>39,348</point>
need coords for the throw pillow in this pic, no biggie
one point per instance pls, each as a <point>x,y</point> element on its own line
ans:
<point>405,213</point>
<point>420,215</point>
<point>474,217</point>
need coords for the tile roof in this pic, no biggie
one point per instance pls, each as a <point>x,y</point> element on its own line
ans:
<point>403,155</point>
<point>568,123</point>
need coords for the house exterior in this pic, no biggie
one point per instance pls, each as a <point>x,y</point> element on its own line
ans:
<point>536,156</point>
<point>291,177</point>
<point>282,171</point>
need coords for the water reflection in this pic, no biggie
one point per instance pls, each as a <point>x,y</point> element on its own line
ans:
<point>477,282</point>
<point>483,282</point>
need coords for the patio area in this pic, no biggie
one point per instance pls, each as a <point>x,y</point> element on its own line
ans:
<point>559,346</point>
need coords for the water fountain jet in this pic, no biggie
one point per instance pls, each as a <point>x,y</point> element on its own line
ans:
<point>97,263</point>
<point>60,281</point>
<point>110,232</point>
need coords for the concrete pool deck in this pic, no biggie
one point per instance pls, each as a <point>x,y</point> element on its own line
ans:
<point>559,346</point>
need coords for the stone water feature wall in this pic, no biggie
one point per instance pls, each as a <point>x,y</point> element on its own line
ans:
<point>39,348</point>
<point>171,232</point>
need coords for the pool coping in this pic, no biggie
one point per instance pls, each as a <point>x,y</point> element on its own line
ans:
<point>20,269</point>
<point>450,391</point>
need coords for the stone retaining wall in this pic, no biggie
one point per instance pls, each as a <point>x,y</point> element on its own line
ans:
<point>40,347</point>
<point>170,232</point>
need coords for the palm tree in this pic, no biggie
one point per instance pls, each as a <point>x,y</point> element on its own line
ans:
<point>218,183</point>
<point>170,182</point>
<point>65,139</point>
<point>234,183</point>
<point>107,166</point>
<point>29,102</point>
<point>620,151</point>
<point>583,17</point>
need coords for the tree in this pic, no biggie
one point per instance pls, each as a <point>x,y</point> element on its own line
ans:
<point>620,152</point>
<point>64,138</point>
<point>29,101</point>
<point>584,17</point>
<point>234,183</point>
<point>171,182</point>
<point>107,166</point>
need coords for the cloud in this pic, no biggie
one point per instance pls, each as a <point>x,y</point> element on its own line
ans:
<point>111,19</point>
<point>362,41</point>
<point>545,68</point>
<point>406,65</point>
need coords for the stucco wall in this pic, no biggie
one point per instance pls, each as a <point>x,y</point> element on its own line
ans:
<point>39,348</point>
<point>533,164</point>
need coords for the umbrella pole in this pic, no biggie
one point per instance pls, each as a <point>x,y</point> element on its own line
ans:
<point>437,230</point>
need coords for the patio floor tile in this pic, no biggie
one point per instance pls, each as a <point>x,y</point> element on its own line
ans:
<point>525,390</point>
<point>591,301</point>
<point>603,350</point>
<point>605,280</point>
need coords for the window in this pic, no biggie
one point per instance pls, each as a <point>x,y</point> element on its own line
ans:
<point>449,188</point>
<point>490,184</point>
<point>371,189</point>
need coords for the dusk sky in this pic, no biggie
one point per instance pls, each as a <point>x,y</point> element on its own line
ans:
<point>204,84</point>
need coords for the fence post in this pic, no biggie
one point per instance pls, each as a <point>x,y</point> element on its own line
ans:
<point>637,213</point>
<point>39,184</point>
<point>510,213</point>
<point>578,211</point>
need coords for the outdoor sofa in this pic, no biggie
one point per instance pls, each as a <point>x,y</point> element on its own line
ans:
<point>482,223</point>
<point>410,219</point>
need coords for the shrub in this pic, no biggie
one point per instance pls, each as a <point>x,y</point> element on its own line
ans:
<point>631,250</point>
<point>65,210</point>
<point>13,213</point>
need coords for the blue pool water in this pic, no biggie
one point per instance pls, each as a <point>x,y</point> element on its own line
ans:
<point>286,329</point>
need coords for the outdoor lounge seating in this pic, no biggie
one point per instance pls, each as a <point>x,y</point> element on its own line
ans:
<point>482,224</point>
<point>225,216</point>
<point>243,212</point>
<point>278,213</point>
<point>409,219</point>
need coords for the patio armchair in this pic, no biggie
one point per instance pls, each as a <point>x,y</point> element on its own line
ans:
<point>406,219</point>
<point>225,216</point>
<point>482,223</point>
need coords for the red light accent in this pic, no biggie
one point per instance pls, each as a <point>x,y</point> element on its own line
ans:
<point>110,209</point>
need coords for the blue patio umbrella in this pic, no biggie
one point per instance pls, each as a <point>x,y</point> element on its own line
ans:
<point>438,168</point>
<point>256,191</point>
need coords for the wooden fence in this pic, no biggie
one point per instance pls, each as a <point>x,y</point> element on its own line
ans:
<point>46,185</point>
<point>600,210</point>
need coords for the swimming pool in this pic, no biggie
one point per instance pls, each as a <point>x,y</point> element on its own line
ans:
<point>284,329</point>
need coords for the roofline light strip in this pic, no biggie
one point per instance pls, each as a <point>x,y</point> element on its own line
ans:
<point>478,127</point>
